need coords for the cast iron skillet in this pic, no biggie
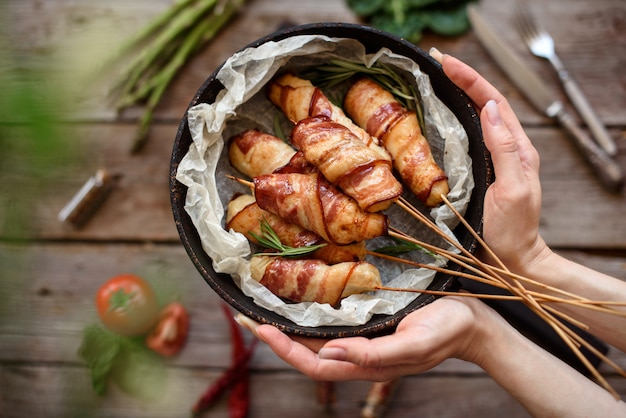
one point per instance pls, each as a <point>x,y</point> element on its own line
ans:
<point>453,97</point>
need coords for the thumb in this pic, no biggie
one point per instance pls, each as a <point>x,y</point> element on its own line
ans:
<point>503,145</point>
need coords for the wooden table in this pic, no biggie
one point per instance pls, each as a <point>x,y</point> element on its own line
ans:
<point>49,280</point>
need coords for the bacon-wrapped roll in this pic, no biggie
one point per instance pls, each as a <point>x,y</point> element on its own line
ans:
<point>299,99</point>
<point>253,152</point>
<point>297,164</point>
<point>310,201</point>
<point>347,162</point>
<point>244,216</point>
<point>314,280</point>
<point>381,115</point>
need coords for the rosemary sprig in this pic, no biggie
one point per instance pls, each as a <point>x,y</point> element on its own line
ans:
<point>270,239</point>
<point>278,130</point>
<point>337,71</point>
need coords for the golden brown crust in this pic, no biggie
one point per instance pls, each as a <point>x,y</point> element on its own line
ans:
<point>376,110</point>
<point>313,280</point>
<point>347,162</point>
<point>253,152</point>
<point>244,216</point>
<point>299,99</point>
<point>312,202</point>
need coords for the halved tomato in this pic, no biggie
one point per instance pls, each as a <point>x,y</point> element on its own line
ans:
<point>127,305</point>
<point>170,334</point>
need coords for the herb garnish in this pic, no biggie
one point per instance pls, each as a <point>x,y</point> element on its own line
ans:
<point>270,239</point>
<point>337,71</point>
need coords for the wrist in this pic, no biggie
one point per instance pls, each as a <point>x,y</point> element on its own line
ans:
<point>484,331</point>
<point>532,260</point>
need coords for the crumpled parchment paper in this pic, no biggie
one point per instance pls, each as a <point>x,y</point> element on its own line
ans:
<point>242,105</point>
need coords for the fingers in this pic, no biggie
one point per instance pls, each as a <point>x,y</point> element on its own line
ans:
<point>502,144</point>
<point>479,90</point>
<point>504,130</point>
<point>332,363</point>
<point>372,354</point>
<point>298,355</point>
<point>301,353</point>
<point>467,79</point>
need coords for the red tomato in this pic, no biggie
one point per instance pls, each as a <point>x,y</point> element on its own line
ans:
<point>170,334</point>
<point>127,305</point>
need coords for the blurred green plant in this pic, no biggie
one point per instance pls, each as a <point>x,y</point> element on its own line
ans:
<point>32,142</point>
<point>160,49</point>
<point>33,148</point>
<point>410,18</point>
<point>127,362</point>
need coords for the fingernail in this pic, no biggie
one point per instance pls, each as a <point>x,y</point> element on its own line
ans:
<point>332,353</point>
<point>436,54</point>
<point>246,322</point>
<point>493,113</point>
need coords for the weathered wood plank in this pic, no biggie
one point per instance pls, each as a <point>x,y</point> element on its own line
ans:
<point>60,391</point>
<point>48,300</point>
<point>574,203</point>
<point>589,37</point>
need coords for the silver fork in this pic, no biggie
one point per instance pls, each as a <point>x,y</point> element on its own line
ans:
<point>541,44</point>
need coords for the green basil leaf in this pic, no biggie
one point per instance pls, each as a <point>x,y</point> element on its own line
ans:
<point>139,371</point>
<point>411,29</point>
<point>99,350</point>
<point>417,4</point>
<point>366,7</point>
<point>449,22</point>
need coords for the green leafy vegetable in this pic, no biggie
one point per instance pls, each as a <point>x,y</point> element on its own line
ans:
<point>162,48</point>
<point>410,18</point>
<point>99,350</point>
<point>126,361</point>
<point>270,239</point>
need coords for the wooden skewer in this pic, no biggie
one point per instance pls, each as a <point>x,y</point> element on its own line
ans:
<point>454,257</point>
<point>495,275</point>
<point>517,289</point>
<point>239,180</point>
<point>446,293</point>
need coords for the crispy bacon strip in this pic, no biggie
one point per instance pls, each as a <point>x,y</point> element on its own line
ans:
<point>381,115</point>
<point>347,162</point>
<point>297,164</point>
<point>244,216</point>
<point>314,280</point>
<point>253,152</point>
<point>310,201</point>
<point>299,99</point>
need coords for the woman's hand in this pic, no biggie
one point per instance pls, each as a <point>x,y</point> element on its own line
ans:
<point>448,327</point>
<point>465,328</point>
<point>513,201</point>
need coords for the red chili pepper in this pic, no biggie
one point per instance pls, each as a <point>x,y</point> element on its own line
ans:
<point>326,393</point>
<point>239,398</point>
<point>226,381</point>
<point>236,377</point>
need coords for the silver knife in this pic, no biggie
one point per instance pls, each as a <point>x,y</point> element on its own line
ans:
<point>609,172</point>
